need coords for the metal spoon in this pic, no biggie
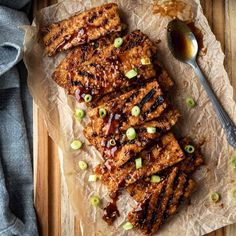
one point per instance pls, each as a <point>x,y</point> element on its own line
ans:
<point>184,47</point>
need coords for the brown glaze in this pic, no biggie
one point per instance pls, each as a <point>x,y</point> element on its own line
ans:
<point>169,8</point>
<point>111,212</point>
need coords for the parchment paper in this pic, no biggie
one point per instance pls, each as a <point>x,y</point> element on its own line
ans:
<point>201,216</point>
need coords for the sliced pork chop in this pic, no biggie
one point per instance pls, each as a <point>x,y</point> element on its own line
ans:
<point>81,28</point>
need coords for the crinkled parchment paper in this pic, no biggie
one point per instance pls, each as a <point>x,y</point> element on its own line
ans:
<point>200,216</point>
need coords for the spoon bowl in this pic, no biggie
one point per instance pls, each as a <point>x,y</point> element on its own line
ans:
<point>182,42</point>
<point>184,47</point>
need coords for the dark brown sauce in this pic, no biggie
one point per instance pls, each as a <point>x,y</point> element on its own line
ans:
<point>79,93</point>
<point>199,36</point>
<point>111,212</point>
<point>183,45</point>
<point>113,123</point>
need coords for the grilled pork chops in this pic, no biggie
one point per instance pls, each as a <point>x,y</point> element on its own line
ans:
<point>106,72</point>
<point>149,99</point>
<point>82,28</point>
<point>101,70</point>
<point>161,201</point>
<point>160,156</point>
<point>124,147</point>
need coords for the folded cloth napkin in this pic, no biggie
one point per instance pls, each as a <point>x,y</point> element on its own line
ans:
<point>17,216</point>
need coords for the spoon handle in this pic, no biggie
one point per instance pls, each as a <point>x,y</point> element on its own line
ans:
<point>226,122</point>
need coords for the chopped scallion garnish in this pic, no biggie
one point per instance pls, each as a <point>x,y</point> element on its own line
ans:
<point>189,149</point>
<point>145,61</point>
<point>92,178</point>
<point>76,144</point>
<point>118,42</point>
<point>83,165</point>
<point>79,114</point>
<point>112,142</point>
<point>155,179</point>
<point>131,133</point>
<point>132,73</point>
<point>151,130</point>
<point>138,163</point>
<point>87,98</point>
<point>190,102</point>
<point>135,111</point>
<point>127,226</point>
<point>214,197</point>
<point>102,112</point>
<point>95,201</point>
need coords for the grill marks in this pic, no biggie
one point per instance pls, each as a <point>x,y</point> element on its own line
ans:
<point>161,201</point>
<point>81,28</point>
<point>162,155</point>
<point>112,65</point>
<point>124,149</point>
<point>120,108</point>
<point>62,73</point>
<point>99,69</point>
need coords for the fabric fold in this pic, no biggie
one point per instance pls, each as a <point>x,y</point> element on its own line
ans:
<point>11,37</point>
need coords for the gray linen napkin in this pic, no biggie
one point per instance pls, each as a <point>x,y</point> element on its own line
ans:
<point>17,216</point>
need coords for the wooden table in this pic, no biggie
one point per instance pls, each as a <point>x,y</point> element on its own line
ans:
<point>55,215</point>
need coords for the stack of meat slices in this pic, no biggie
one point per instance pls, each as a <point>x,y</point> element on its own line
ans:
<point>101,69</point>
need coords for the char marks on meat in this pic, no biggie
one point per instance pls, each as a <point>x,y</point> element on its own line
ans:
<point>81,28</point>
<point>95,66</point>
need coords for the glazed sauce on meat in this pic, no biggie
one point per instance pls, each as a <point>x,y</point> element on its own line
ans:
<point>113,123</point>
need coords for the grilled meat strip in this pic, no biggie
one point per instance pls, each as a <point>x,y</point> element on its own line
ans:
<point>81,28</point>
<point>105,73</point>
<point>88,50</point>
<point>161,202</point>
<point>75,57</point>
<point>192,161</point>
<point>162,155</point>
<point>124,149</point>
<point>150,100</point>
<point>162,77</point>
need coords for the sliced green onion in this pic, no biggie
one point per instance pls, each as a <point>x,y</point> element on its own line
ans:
<point>79,114</point>
<point>132,73</point>
<point>118,42</point>
<point>112,142</point>
<point>102,112</point>
<point>127,226</point>
<point>76,144</point>
<point>233,162</point>
<point>135,111</point>
<point>189,149</point>
<point>190,102</point>
<point>131,133</point>
<point>83,165</point>
<point>92,178</point>
<point>151,130</point>
<point>138,163</point>
<point>233,193</point>
<point>87,98</point>
<point>155,179</point>
<point>214,197</point>
<point>145,61</point>
<point>95,201</point>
